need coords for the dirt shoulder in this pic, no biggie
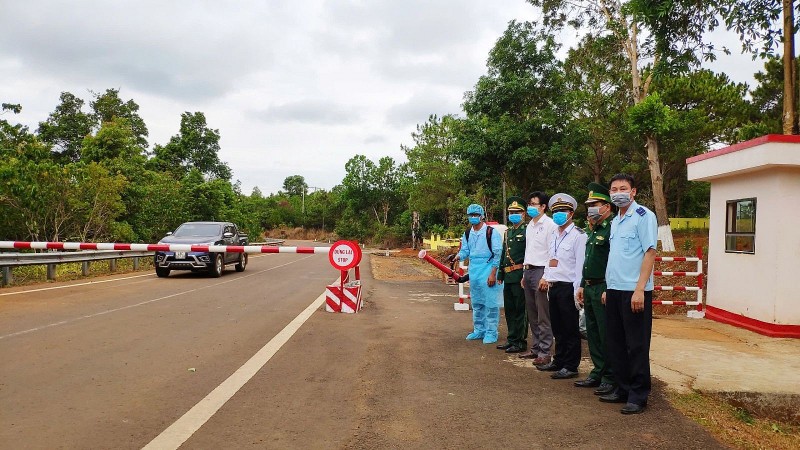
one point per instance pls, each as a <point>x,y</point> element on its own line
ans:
<point>425,386</point>
<point>688,357</point>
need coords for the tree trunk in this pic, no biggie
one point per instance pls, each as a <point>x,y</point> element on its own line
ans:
<point>659,199</point>
<point>789,72</point>
<point>657,179</point>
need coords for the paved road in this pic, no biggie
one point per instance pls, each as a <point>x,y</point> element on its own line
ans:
<point>107,365</point>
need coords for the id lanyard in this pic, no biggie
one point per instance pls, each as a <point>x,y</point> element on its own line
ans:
<point>557,243</point>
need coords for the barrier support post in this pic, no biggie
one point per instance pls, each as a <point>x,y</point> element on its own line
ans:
<point>112,265</point>
<point>51,272</point>
<point>8,277</point>
<point>135,263</point>
<point>700,278</point>
<point>85,268</point>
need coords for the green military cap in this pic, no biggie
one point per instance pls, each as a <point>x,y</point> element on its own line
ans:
<point>516,203</point>
<point>598,192</point>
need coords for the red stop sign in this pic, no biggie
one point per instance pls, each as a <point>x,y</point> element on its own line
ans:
<point>344,255</point>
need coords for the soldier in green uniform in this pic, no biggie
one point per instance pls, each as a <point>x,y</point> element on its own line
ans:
<point>510,274</point>
<point>593,284</point>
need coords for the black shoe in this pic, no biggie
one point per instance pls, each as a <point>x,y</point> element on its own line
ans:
<point>613,398</point>
<point>604,389</point>
<point>588,382</point>
<point>563,374</point>
<point>504,346</point>
<point>632,408</point>
<point>514,349</point>
<point>549,367</point>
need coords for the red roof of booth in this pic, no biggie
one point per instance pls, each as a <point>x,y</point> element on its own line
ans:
<point>769,138</point>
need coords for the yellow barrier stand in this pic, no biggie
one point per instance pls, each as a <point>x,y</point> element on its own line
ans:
<point>436,242</point>
<point>686,223</point>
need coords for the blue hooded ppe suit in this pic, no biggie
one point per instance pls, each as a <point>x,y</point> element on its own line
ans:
<point>486,300</point>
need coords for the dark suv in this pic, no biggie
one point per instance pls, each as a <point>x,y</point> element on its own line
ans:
<point>202,233</point>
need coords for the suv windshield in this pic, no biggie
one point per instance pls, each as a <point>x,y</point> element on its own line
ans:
<point>198,229</point>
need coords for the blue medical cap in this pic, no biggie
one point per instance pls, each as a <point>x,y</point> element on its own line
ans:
<point>475,209</point>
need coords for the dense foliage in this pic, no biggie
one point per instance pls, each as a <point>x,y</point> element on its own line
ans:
<point>533,121</point>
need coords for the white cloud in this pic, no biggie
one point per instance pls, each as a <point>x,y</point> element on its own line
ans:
<point>294,87</point>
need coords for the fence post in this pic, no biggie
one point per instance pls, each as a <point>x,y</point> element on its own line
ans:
<point>51,272</point>
<point>8,278</point>
<point>135,263</point>
<point>700,278</point>
<point>112,265</point>
<point>85,268</point>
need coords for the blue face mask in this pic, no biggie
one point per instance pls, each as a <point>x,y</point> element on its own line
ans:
<point>474,220</point>
<point>533,211</point>
<point>515,218</point>
<point>560,218</point>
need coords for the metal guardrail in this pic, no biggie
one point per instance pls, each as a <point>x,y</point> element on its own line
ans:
<point>10,260</point>
<point>32,259</point>
<point>269,242</point>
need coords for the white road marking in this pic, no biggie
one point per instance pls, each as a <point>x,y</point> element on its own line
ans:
<point>108,311</point>
<point>90,282</point>
<point>177,433</point>
<point>74,285</point>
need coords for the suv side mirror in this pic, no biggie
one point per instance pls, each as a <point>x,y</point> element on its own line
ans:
<point>227,235</point>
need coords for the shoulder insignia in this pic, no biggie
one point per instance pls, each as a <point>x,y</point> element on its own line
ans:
<point>580,230</point>
<point>640,211</point>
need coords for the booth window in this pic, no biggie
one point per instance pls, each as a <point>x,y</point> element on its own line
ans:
<point>740,226</point>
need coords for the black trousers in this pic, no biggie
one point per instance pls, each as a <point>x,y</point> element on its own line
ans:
<point>564,318</point>
<point>628,343</point>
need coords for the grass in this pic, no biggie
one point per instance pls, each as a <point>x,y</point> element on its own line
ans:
<point>734,426</point>
<point>26,275</point>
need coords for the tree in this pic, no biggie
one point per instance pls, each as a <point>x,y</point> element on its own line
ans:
<point>432,167</point>
<point>596,81</point>
<point>114,140</point>
<point>672,51</point>
<point>759,21</point>
<point>108,105</point>
<point>516,116</point>
<point>97,202</point>
<point>66,128</point>
<point>763,26</point>
<point>195,147</point>
<point>295,185</point>
<point>705,109</point>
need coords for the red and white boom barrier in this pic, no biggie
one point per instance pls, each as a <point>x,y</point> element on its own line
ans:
<point>160,247</point>
<point>343,256</point>
<point>460,306</point>
<point>698,273</point>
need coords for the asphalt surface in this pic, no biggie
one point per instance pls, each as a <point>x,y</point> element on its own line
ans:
<point>114,364</point>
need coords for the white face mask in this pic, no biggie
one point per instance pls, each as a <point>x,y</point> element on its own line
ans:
<point>594,212</point>
<point>621,199</point>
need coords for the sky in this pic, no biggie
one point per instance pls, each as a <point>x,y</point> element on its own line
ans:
<point>294,87</point>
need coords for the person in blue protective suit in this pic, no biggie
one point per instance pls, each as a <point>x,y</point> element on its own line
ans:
<point>484,259</point>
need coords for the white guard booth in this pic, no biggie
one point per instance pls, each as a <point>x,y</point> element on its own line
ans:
<point>754,235</point>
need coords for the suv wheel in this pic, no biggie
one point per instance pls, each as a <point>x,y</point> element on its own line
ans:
<point>240,266</point>
<point>216,269</point>
<point>162,272</point>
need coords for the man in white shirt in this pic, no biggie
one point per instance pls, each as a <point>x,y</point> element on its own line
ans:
<point>563,274</point>
<point>538,238</point>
